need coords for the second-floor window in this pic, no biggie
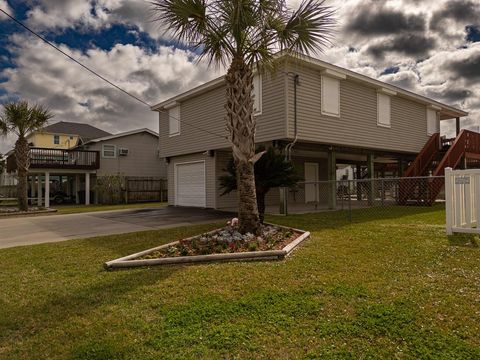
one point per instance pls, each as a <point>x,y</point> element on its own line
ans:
<point>109,151</point>
<point>257,93</point>
<point>330,96</point>
<point>384,112</point>
<point>56,139</point>
<point>174,121</point>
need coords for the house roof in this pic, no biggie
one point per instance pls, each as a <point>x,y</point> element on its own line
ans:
<point>119,135</point>
<point>85,131</point>
<point>446,111</point>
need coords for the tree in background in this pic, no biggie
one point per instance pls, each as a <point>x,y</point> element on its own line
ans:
<point>271,171</point>
<point>20,119</point>
<point>245,35</point>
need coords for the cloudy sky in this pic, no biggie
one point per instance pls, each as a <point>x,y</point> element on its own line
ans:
<point>428,46</point>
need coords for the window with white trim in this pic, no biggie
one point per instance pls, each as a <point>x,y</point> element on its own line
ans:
<point>384,110</point>
<point>257,94</point>
<point>109,151</point>
<point>174,121</point>
<point>56,139</point>
<point>432,122</point>
<point>330,96</point>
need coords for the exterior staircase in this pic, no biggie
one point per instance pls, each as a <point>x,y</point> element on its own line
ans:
<point>436,155</point>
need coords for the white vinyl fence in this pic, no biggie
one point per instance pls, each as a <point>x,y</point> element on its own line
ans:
<point>462,201</point>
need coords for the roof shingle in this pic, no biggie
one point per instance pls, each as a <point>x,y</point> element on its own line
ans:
<point>85,131</point>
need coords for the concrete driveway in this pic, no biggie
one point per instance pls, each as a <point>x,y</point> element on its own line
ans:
<point>53,228</point>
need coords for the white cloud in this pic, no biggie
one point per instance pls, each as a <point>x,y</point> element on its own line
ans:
<point>43,75</point>
<point>4,6</point>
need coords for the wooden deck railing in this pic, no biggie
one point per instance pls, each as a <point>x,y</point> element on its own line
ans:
<point>44,158</point>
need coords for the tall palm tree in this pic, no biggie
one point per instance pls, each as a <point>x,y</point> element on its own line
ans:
<point>245,35</point>
<point>20,119</point>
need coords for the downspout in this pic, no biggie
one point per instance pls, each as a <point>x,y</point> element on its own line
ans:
<point>289,146</point>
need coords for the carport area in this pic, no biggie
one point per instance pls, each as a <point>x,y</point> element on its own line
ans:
<point>54,228</point>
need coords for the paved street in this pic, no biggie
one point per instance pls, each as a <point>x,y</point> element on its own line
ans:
<point>53,228</point>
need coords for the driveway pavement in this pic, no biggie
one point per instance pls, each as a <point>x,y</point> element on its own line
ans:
<point>53,228</point>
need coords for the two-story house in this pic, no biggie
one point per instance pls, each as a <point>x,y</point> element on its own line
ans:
<point>329,115</point>
<point>64,135</point>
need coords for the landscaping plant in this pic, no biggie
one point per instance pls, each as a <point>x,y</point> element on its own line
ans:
<point>245,35</point>
<point>21,118</point>
<point>271,170</point>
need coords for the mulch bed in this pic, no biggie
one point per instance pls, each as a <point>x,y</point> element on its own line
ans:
<point>228,240</point>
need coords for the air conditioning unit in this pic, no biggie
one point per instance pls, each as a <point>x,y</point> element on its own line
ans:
<point>122,152</point>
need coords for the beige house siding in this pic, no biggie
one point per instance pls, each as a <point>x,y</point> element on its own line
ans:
<point>207,111</point>
<point>209,175</point>
<point>142,158</point>
<point>357,124</point>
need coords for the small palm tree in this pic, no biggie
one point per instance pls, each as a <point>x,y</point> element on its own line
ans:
<point>271,171</point>
<point>20,119</point>
<point>245,35</point>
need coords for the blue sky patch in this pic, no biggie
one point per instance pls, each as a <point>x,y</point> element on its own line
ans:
<point>390,70</point>
<point>473,33</point>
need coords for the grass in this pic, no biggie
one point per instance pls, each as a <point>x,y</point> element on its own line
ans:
<point>391,288</point>
<point>77,209</point>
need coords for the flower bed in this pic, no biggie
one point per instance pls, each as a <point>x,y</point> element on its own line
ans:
<point>226,244</point>
<point>228,240</point>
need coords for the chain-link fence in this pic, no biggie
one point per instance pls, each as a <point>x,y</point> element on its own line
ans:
<point>378,194</point>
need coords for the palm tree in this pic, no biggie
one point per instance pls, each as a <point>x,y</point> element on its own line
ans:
<point>20,118</point>
<point>271,170</point>
<point>245,35</point>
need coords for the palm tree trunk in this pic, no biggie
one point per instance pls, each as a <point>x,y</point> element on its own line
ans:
<point>241,125</point>
<point>21,157</point>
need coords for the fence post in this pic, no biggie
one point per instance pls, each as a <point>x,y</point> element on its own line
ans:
<point>349,201</point>
<point>382,192</point>
<point>449,203</point>
<point>126,190</point>
<point>371,182</point>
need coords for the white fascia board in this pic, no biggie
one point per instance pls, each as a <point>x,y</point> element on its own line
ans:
<point>333,74</point>
<point>434,107</point>
<point>386,91</point>
<point>171,105</point>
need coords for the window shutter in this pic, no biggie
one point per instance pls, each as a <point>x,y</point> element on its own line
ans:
<point>173,120</point>
<point>330,96</point>
<point>384,112</point>
<point>432,123</point>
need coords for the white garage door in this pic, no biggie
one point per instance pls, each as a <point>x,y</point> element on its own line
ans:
<point>190,189</point>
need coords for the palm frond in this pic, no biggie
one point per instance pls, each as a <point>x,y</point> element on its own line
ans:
<point>309,29</point>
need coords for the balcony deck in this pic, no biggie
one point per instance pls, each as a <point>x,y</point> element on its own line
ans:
<point>44,158</point>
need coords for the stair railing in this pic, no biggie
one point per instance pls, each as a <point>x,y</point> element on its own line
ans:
<point>466,142</point>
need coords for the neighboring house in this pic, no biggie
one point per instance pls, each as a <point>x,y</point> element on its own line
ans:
<point>335,117</point>
<point>73,171</point>
<point>64,135</point>
<point>6,179</point>
<point>131,153</point>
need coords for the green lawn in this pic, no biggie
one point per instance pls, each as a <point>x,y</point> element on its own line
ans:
<point>76,209</point>
<point>395,288</point>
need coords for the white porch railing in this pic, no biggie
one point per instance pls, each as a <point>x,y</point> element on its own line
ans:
<point>462,201</point>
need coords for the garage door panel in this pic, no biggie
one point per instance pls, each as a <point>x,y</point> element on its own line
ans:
<point>190,184</point>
